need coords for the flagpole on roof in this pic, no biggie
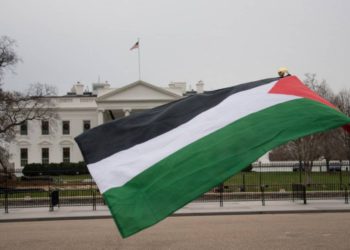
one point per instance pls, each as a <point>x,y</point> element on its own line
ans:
<point>137,46</point>
<point>138,42</point>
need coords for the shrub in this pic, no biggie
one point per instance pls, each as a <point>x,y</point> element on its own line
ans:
<point>248,169</point>
<point>72,168</point>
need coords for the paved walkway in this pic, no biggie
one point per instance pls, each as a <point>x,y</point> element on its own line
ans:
<point>247,232</point>
<point>192,209</point>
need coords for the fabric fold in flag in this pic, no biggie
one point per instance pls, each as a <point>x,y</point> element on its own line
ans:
<point>150,164</point>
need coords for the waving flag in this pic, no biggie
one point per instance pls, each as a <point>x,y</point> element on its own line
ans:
<point>150,164</point>
<point>135,46</point>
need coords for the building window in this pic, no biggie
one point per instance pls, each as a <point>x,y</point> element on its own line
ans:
<point>66,155</point>
<point>45,155</point>
<point>24,128</point>
<point>24,156</point>
<point>86,125</point>
<point>44,127</point>
<point>65,127</point>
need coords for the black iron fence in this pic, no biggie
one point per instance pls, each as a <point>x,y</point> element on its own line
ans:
<point>39,190</point>
<point>264,182</point>
<point>285,181</point>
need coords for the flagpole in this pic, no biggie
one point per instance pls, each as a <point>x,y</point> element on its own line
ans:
<point>138,41</point>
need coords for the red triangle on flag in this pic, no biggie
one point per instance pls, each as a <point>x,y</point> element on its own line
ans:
<point>291,85</point>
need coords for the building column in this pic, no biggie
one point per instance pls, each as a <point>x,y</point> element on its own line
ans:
<point>127,111</point>
<point>100,116</point>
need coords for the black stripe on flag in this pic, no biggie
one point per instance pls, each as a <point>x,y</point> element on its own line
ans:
<point>112,137</point>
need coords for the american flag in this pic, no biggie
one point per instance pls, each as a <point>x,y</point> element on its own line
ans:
<point>136,46</point>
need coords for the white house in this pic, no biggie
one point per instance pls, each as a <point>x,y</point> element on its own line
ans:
<point>78,110</point>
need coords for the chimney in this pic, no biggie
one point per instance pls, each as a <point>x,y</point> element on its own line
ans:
<point>100,88</point>
<point>78,88</point>
<point>180,86</point>
<point>200,87</point>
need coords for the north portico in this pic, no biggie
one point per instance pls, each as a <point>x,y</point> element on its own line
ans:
<point>133,98</point>
<point>80,110</point>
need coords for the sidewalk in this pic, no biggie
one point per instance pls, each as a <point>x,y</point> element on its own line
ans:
<point>191,209</point>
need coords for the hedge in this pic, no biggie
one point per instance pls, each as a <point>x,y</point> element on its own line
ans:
<point>248,169</point>
<point>36,169</point>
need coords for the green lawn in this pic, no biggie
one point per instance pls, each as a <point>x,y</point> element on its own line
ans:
<point>79,185</point>
<point>45,194</point>
<point>283,180</point>
<point>71,178</point>
<point>288,178</point>
<point>250,178</point>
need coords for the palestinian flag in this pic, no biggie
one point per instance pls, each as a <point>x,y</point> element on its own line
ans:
<point>150,164</point>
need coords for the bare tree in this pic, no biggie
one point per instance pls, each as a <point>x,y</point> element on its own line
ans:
<point>324,145</point>
<point>18,107</point>
<point>342,101</point>
<point>330,142</point>
<point>282,153</point>
<point>8,56</point>
<point>314,147</point>
<point>320,87</point>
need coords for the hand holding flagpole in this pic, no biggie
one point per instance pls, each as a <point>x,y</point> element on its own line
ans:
<point>137,46</point>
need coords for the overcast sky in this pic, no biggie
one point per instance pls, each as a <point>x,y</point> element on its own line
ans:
<point>222,42</point>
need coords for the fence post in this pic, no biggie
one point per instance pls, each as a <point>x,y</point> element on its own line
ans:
<point>260,174</point>
<point>262,190</point>
<point>243,189</point>
<point>94,200</point>
<point>346,194</point>
<point>93,193</point>
<point>6,193</point>
<point>49,194</point>
<point>340,178</point>
<point>304,193</point>
<point>221,189</point>
<point>50,201</point>
<point>60,182</point>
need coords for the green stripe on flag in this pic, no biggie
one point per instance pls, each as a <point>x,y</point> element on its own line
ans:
<point>183,176</point>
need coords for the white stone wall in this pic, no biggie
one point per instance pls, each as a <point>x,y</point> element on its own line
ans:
<point>55,141</point>
<point>75,109</point>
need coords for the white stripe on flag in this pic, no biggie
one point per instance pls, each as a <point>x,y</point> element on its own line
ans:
<point>118,169</point>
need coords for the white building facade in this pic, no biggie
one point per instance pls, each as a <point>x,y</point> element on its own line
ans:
<point>53,141</point>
